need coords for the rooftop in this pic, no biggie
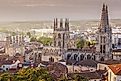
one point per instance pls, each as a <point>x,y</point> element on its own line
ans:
<point>116,68</point>
<point>90,75</point>
<point>90,63</point>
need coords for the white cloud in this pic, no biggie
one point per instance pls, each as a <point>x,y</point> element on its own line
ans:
<point>39,5</point>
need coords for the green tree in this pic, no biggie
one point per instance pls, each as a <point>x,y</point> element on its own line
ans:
<point>33,39</point>
<point>88,43</point>
<point>29,74</point>
<point>13,33</point>
<point>29,34</point>
<point>45,41</point>
<point>6,77</point>
<point>80,43</point>
<point>93,42</point>
<point>79,78</point>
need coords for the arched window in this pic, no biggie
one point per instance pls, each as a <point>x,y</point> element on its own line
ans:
<point>59,35</point>
<point>88,56</point>
<point>75,56</point>
<point>94,58</point>
<point>68,56</point>
<point>59,44</point>
<point>54,43</point>
<point>82,57</point>
<point>102,59</point>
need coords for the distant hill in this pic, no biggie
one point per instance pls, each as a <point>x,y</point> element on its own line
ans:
<point>74,25</point>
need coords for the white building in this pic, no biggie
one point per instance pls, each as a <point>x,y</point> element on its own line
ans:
<point>43,32</point>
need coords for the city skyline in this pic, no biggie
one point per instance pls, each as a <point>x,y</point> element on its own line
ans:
<point>35,10</point>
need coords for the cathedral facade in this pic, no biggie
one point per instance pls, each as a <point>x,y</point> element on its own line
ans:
<point>60,40</point>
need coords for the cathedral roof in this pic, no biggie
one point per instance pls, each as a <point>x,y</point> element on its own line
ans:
<point>62,60</point>
<point>90,63</point>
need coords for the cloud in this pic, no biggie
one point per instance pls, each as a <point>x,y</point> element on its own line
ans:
<point>39,5</point>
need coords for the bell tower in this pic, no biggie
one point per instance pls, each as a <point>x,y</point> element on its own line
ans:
<point>61,33</point>
<point>105,35</point>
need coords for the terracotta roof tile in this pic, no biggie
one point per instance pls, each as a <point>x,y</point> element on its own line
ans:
<point>116,69</point>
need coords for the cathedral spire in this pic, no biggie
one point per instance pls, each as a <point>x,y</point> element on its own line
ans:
<point>104,18</point>
<point>103,7</point>
<point>107,20</point>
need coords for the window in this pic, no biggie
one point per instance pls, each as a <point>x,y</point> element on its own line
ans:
<point>7,69</point>
<point>54,43</point>
<point>101,39</point>
<point>59,35</point>
<point>59,44</point>
<point>105,68</point>
<point>104,39</point>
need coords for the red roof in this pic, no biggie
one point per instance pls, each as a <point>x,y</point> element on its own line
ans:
<point>116,69</point>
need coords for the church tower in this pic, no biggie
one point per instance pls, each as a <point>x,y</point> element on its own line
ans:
<point>61,33</point>
<point>105,36</point>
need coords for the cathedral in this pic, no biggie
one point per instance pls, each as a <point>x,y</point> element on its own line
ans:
<point>61,38</point>
<point>103,49</point>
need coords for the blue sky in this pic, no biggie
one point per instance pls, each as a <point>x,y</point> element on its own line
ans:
<point>34,10</point>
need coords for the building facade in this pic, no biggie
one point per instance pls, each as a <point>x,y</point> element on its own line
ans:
<point>60,40</point>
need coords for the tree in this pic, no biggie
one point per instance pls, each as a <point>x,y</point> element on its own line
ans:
<point>92,42</point>
<point>80,43</point>
<point>29,74</point>
<point>33,39</point>
<point>13,33</point>
<point>29,34</point>
<point>45,41</point>
<point>88,43</point>
<point>78,77</point>
<point>6,77</point>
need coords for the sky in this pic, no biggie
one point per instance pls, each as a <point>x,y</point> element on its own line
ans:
<point>36,10</point>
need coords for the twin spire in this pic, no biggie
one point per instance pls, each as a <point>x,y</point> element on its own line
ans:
<point>104,16</point>
<point>61,25</point>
